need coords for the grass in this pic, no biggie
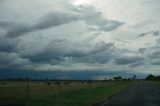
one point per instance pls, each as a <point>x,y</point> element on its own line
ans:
<point>49,95</point>
<point>157,83</point>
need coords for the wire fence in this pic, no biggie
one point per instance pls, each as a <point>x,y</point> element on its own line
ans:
<point>19,93</point>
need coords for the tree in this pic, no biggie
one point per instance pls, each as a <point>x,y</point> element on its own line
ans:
<point>134,77</point>
<point>150,77</point>
<point>118,78</point>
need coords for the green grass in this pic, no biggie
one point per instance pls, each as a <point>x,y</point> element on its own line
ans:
<point>157,83</point>
<point>69,96</point>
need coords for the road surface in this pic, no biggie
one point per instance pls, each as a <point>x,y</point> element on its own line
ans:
<point>140,94</point>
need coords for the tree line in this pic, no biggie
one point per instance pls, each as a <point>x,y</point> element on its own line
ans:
<point>152,77</point>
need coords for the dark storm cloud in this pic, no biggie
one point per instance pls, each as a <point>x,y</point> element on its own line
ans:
<point>5,24</point>
<point>82,75</point>
<point>12,60</point>
<point>95,18</point>
<point>87,14</point>
<point>8,45</point>
<point>156,33</point>
<point>158,41</point>
<point>142,50</point>
<point>153,32</point>
<point>58,50</point>
<point>155,54</point>
<point>102,53</point>
<point>128,59</point>
<point>155,61</point>
<point>55,19</point>
<point>2,1</point>
<point>65,48</point>
<point>52,19</point>
<point>152,54</point>
<point>136,64</point>
<point>15,29</point>
<point>120,40</point>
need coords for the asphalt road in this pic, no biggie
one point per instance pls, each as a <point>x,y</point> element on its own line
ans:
<point>139,94</point>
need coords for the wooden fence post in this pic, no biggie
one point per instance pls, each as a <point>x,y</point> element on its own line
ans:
<point>59,88</point>
<point>27,93</point>
<point>78,86</point>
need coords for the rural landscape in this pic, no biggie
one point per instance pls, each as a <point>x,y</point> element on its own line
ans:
<point>27,92</point>
<point>79,53</point>
<point>58,93</point>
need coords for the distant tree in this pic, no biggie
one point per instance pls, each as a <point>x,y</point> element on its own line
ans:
<point>118,78</point>
<point>150,77</point>
<point>129,78</point>
<point>134,77</point>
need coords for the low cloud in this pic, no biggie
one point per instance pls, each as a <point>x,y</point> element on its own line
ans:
<point>52,19</point>
<point>102,53</point>
<point>12,60</point>
<point>8,45</point>
<point>94,18</point>
<point>126,59</point>
<point>155,61</point>
<point>153,32</point>
<point>61,50</point>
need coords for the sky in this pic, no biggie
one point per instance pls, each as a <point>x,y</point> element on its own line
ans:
<point>79,39</point>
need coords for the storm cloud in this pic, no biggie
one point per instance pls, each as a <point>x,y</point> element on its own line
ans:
<point>50,20</point>
<point>93,38</point>
<point>153,32</point>
<point>128,59</point>
<point>56,18</point>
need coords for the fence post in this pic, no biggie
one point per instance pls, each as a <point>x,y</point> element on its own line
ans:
<point>27,93</point>
<point>78,86</point>
<point>98,84</point>
<point>59,88</point>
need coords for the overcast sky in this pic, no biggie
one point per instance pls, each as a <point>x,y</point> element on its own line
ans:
<point>79,38</point>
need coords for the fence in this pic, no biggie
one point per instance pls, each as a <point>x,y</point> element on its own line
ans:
<point>13,92</point>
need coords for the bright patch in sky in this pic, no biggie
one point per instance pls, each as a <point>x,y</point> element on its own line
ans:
<point>80,2</point>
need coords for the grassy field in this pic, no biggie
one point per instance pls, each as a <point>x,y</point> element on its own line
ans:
<point>72,94</point>
<point>157,83</point>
